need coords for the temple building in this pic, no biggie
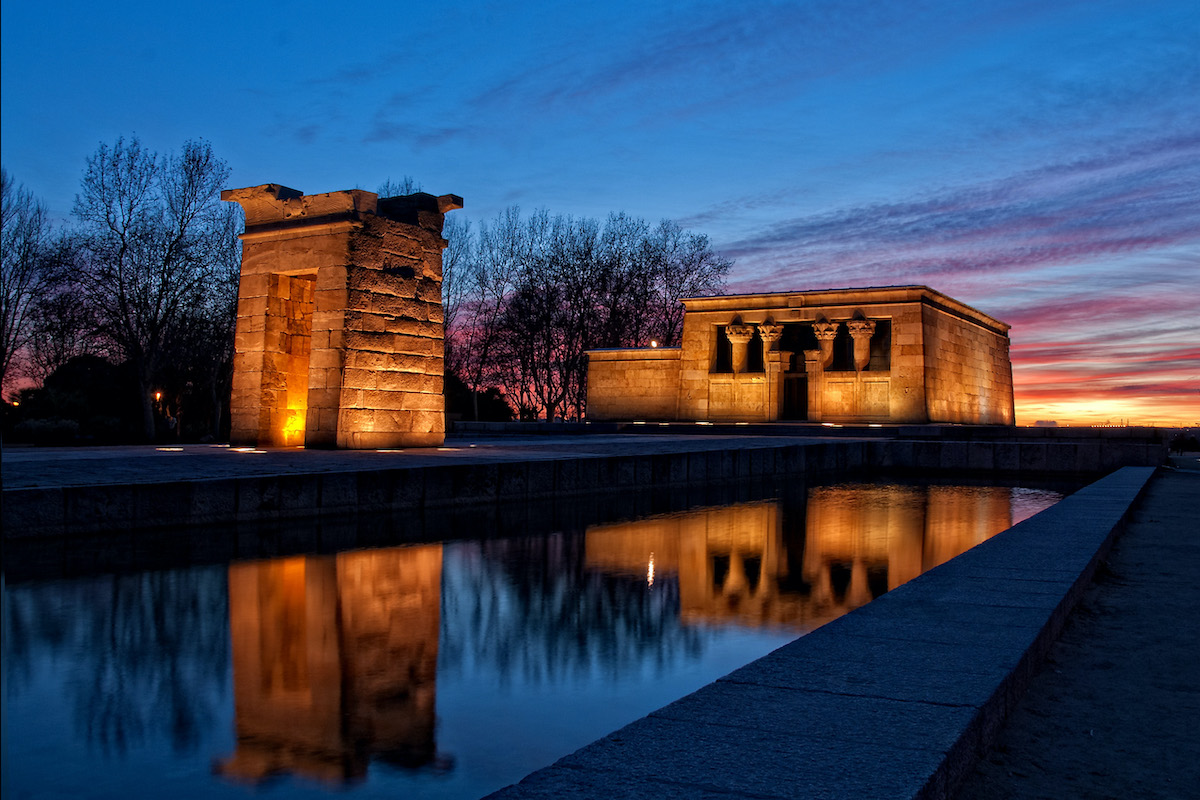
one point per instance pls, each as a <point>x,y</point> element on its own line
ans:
<point>892,354</point>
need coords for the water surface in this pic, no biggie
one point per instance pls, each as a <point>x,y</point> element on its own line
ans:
<point>444,669</point>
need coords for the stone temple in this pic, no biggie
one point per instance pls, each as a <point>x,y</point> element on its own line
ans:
<point>339,332</point>
<point>893,354</point>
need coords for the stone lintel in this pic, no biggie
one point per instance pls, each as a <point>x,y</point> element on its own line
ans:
<point>272,204</point>
<point>635,354</point>
<point>292,230</point>
<point>862,298</point>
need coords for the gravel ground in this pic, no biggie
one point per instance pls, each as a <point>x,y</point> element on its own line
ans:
<point>1115,711</point>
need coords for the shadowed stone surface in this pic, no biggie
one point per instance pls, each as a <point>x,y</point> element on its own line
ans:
<point>1112,712</point>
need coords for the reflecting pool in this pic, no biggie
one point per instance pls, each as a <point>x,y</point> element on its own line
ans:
<point>440,669</point>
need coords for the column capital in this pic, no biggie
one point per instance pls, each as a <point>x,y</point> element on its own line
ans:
<point>739,334</point>
<point>825,331</point>
<point>861,328</point>
<point>770,332</point>
<point>861,331</point>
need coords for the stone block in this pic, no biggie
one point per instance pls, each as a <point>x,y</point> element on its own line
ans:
<point>33,513</point>
<point>541,478</point>
<point>1033,456</point>
<point>981,456</point>
<point>566,477</point>
<point>475,483</point>
<point>165,504</point>
<point>512,480</point>
<point>954,456</point>
<point>927,455</point>
<point>1061,456</point>
<point>588,474</point>
<point>89,509</point>
<point>338,492</point>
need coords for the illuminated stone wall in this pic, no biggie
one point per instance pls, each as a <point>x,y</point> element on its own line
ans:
<point>905,354</point>
<point>968,370</point>
<point>339,333</point>
<point>635,383</point>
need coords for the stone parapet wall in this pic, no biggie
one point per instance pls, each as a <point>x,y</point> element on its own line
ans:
<point>40,513</point>
<point>633,384</point>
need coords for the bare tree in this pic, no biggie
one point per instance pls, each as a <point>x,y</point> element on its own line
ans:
<point>682,264</point>
<point>456,274</point>
<point>500,249</point>
<point>531,295</point>
<point>24,241</point>
<point>152,232</point>
<point>64,325</point>
<point>391,188</point>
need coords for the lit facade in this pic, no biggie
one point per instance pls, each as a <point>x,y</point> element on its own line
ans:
<point>895,354</point>
<point>339,333</point>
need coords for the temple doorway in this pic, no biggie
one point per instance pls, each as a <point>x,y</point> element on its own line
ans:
<point>795,396</point>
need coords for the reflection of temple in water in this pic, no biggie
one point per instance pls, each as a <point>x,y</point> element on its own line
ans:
<point>769,563</point>
<point>334,662</point>
<point>335,657</point>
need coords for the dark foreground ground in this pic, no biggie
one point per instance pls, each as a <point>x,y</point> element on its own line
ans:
<point>1115,710</point>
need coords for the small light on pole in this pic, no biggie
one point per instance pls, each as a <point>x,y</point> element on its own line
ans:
<point>654,343</point>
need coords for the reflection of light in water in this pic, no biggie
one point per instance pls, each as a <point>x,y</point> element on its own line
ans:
<point>650,571</point>
<point>1027,502</point>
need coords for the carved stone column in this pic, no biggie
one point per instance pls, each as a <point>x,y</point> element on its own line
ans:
<point>815,364</point>
<point>777,362</point>
<point>739,338</point>
<point>774,362</point>
<point>814,368</point>
<point>861,330</point>
<point>770,333</point>
<point>826,332</point>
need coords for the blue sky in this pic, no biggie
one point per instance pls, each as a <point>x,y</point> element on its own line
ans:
<point>1038,160</point>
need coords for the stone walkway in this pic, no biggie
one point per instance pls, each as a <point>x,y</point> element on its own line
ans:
<point>42,467</point>
<point>1114,710</point>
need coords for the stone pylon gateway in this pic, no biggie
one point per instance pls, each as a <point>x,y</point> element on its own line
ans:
<point>339,329</point>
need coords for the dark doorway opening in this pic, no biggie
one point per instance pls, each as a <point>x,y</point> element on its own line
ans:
<point>795,397</point>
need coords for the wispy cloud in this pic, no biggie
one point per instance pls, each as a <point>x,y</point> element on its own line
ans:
<point>1134,199</point>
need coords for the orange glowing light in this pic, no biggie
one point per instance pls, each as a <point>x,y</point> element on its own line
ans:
<point>293,427</point>
<point>158,396</point>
